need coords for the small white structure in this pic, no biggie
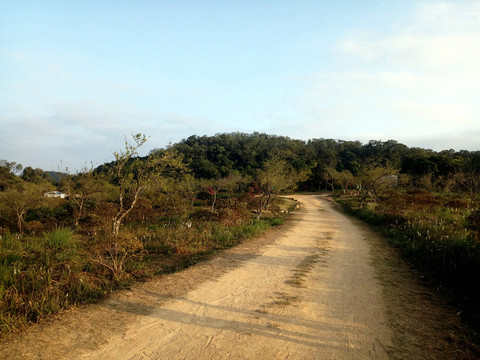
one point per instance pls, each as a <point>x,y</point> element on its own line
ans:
<point>55,194</point>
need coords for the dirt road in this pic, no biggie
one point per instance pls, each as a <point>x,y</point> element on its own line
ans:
<point>321,287</point>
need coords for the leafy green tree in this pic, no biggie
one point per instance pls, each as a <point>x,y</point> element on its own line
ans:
<point>7,174</point>
<point>345,179</point>
<point>275,177</point>
<point>36,176</point>
<point>386,154</point>
<point>18,200</point>
<point>189,187</point>
<point>375,181</point>
<point>13,167</point>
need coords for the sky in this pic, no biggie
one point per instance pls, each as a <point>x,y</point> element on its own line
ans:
<point>78,77</point>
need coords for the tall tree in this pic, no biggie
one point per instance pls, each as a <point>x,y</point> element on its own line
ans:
<point>7,174</point>
<point>35,175</point>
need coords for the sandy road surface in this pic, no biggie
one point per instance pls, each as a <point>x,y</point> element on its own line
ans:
<point>322,287</point>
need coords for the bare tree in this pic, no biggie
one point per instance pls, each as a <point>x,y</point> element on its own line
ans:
<point>227,183</point>
<point>469,180</point>
<point>80,188</point>
<point>134,175</point>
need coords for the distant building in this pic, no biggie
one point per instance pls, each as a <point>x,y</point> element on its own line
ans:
<point>55,194</point>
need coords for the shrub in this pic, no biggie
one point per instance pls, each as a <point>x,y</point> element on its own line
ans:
<point>58,239</point>
<point>113,251</point>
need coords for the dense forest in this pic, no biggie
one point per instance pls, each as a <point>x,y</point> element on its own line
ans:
<point>328,163</point>
<point>67,238</point>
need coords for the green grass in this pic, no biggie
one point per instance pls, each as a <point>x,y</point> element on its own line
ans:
<point>225,237</point>
<point>59,239</point>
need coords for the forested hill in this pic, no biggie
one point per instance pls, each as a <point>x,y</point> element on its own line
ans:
<point>323,159</point>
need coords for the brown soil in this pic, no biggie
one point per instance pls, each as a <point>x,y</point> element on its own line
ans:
<point>321,287</point>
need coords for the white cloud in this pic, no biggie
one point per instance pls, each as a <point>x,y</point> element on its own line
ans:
<point>438,36</point>
<point>420,79</point>
<point>78,134</point>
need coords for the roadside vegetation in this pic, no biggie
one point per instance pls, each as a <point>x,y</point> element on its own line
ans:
<point>437,238</point>
<point>436,230</point>
<point>69,239</point>
<point>75,239</point>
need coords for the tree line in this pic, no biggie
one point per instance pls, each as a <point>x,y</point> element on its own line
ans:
<point>255,164</point>
<point>332,164</point>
